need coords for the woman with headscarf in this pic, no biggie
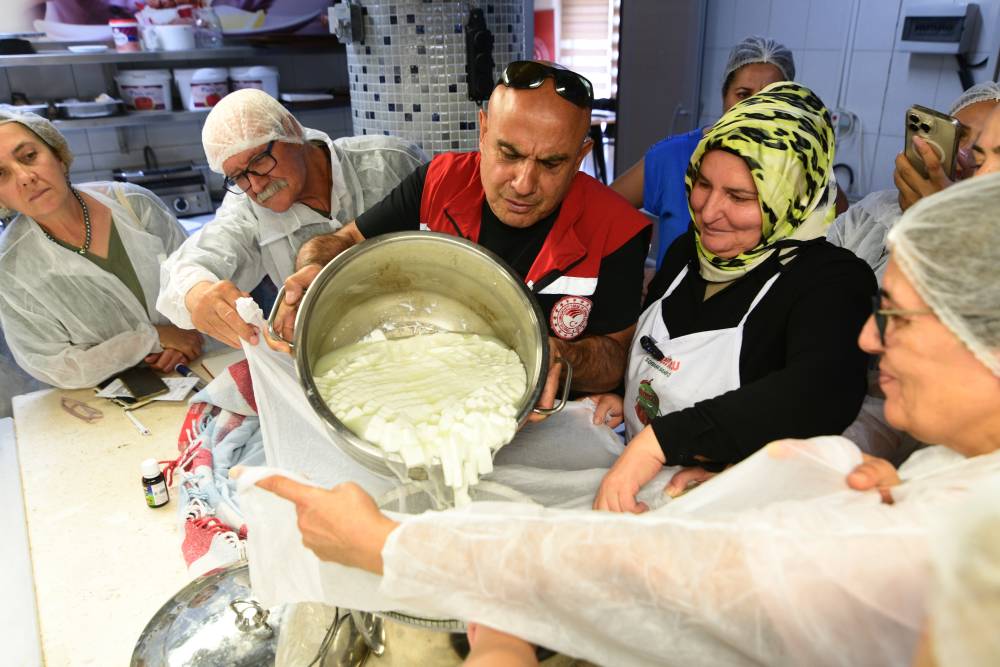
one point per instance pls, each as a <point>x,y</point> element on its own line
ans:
<point>656,182</point>
<point>80,265</point>
<point>748,332</point>
<point>797,570</point>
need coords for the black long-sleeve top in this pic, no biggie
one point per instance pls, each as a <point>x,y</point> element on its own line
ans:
<point>801,371</point>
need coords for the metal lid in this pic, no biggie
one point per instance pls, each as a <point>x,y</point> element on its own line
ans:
<point>214,620</point>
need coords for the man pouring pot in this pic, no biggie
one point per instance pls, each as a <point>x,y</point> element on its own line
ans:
<point>578,246</point>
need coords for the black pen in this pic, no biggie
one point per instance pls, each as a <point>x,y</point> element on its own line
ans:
<point>649,345</point>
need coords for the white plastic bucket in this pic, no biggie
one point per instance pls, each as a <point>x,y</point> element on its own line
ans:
<point>261,77</point>
<point>202,88</point>
<point>145,89</point>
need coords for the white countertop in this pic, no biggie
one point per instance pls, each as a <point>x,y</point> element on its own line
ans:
<point>103,561</point>
<point>18,615</point>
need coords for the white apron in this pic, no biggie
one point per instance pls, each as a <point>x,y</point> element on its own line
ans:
<point>693,368</point>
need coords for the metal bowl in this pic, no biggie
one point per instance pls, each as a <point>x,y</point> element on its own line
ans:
<point>211,621</point>
<point>409,283</point>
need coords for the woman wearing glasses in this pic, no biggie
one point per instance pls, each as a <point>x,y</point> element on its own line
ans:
<point>829,578</point>
<point>80,265</point>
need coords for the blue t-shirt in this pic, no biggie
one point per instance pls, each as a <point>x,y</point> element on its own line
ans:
<point>663,193</point>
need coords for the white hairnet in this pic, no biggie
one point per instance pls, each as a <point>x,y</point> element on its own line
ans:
<point>948,245</point>
<point>45,131</point>
<point>965,595</point>
<point>756,49</point>
<point>244,119</point>
<point>987,91</point>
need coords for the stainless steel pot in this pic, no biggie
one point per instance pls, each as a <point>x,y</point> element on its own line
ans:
<point>410,283</point>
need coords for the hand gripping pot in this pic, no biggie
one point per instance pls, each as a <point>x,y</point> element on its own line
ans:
<point>410,283</point>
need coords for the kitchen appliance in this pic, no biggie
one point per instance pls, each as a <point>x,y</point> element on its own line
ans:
<point>409,283</point>
<point>184,189</point>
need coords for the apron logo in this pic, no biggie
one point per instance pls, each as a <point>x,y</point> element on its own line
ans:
<point>667,365</point>
<point>647,403</point>
<point>570,315</point>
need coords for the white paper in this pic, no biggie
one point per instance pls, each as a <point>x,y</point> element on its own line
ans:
<point>116,389</point>
<point>178,389</point>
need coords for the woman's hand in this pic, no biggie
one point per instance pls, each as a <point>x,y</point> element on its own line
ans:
<point>341,525</point>
<point>911,185</point>
<point>874,473</point>
<point>180,346</point>
<point>642,460</point>
<point>609,410</point>
<point>492,648</point>
<point>686,479</point>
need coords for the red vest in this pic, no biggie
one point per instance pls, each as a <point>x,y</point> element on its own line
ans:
<point>593,222</point>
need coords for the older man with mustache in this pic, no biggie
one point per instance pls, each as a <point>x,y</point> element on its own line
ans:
<point>286,184</point>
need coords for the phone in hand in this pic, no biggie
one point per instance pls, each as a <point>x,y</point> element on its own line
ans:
<point>941,132</point>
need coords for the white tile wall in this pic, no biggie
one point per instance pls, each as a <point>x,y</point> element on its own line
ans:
<point>866,86</point>
<point>911,73</point>
<point>886,150</point>
<point>876,29</point>
<point>820,68</point>
<point>787,19</point>
<point>828,24</point>
<point>880,84</point>
<point>719,27</point>
<point>750,17</point>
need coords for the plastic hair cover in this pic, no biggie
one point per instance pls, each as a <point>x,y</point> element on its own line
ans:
<point>45,131</point>
<point>948,245</point>
<point>243,120</point>
<point>987,91</point>
<point>757,49</point>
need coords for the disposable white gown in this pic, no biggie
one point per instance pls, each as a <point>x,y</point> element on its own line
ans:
<point>863,228</point>
<point>831,579</point>
<point>965,600</point>
<point>69,323</point>
<point>246,242</point>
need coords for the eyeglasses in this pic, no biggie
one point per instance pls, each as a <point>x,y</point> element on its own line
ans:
<point>532,74</point>
<point>260,165</point>
<point>883,315</point>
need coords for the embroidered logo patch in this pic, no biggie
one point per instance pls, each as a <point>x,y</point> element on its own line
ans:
<point>570,315</point>
<point>647,403</point>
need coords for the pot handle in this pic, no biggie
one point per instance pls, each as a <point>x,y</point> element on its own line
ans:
<point>565,393</point>
<point>271,331</point>
<point>250,616</point>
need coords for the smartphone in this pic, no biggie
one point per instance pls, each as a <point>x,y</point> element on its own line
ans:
<point>942,133</point>
<point>143,382</point>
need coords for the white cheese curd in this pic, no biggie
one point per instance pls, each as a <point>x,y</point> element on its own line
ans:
<point>445,398</point>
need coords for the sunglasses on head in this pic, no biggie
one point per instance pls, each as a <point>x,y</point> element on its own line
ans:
<point>532,74</point>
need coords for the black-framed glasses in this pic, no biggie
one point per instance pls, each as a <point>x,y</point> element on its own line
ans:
<point>883,315</point>
<point>260,165</point>
<point>532,73</point>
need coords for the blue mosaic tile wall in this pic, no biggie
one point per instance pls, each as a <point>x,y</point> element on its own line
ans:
<point>408,75</point>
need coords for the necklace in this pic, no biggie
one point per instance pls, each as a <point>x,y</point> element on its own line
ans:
<point>86,224</point>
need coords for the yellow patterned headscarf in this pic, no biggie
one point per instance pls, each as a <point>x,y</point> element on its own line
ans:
<point>784,135</point>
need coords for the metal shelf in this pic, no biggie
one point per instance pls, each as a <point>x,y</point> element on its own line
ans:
<point>62,57</point>
<point>157,117</point>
